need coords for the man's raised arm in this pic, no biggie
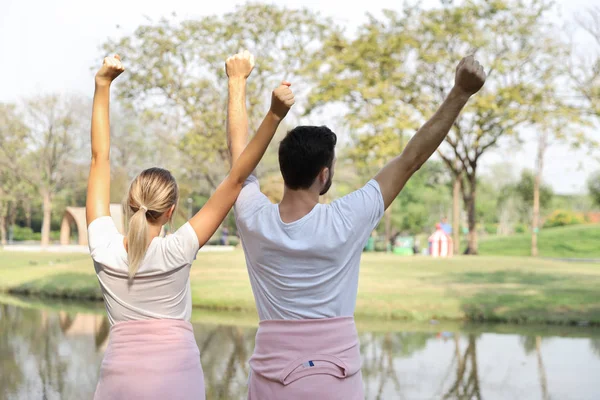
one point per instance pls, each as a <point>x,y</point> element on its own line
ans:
<point>238,68</point>
<point>469,78</point>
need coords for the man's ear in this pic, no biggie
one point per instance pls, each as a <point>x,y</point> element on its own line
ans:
<point>324,175</point>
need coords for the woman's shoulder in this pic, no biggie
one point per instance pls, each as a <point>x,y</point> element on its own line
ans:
<point>180,247</point>
<point>106,242</point>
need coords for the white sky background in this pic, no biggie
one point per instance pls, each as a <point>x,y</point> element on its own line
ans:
<point>49,46</point>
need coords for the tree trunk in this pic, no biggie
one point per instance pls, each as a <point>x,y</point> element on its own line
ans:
<point>47,209</point>
<point>470,202</point>
<point>2,228</point>
<point>388,228</point>
<point>535,223</point>
<point>3,214</point>
<point>28,214</point>
<point>11,215</point>
<point>10,220</point>
<point>536,216</point>
<point>456,214</point>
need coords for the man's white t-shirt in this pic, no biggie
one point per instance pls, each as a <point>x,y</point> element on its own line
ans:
<point>308,268</point>
<point>161,287</point>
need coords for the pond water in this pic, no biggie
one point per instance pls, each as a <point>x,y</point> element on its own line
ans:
<point>54,352</point>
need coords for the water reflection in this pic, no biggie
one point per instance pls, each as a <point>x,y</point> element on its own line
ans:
<point>47,354</point>
<point>466,383</point>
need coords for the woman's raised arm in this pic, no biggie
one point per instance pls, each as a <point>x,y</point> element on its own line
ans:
<point>98,193</point>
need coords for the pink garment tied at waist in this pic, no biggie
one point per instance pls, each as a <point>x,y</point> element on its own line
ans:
<point>324,351</point>
<point>151,359</point>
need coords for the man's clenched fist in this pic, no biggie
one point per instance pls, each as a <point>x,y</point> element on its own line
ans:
<point>470,76</point>
<point>239,65</point>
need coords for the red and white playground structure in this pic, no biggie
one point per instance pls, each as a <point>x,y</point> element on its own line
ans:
<point>440,243</point>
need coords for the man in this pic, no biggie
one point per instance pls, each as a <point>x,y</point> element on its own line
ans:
<point>224,236</point>
<point>303,257</point>
<point>446,227</point>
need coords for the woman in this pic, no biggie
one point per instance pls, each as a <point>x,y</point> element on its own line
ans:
<point>152,353</point>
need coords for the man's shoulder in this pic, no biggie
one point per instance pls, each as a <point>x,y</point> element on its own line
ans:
<point>370,191</point>
<point>259,215</point>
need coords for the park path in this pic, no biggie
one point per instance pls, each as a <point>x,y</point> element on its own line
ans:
<point>35,248</point>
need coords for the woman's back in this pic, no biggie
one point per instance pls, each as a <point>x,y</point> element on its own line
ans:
<point>160,288</point>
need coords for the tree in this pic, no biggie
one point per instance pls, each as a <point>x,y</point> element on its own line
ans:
<point>47,140</point>
<point>517,45</point>
<point>176,74</point>
<point>13,132</point>
<point>533,192</point>
<point>585,74</point>
<point>423,200</point>
<point>131,147</point>
<point>593,185</point>
<point>364,74</point>
<point>586,71</point>
<point>517,200</point>
<point>397,70</point>
<point>535,222</point>
<point>368,156</point>
<point>525,190</point>
<point>5,198</point>
<point>456,190</point>
<point>555,123</point>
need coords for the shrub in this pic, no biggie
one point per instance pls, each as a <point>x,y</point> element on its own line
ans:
<point>27,234</point>
<point>21,234</point>
<point>380,246</point>
<point>490,229</point>
<point>521,228</point>
<point>564,218</point>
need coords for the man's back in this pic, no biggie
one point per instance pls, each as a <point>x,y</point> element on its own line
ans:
<point>308,268</point>
<point>304,274</point>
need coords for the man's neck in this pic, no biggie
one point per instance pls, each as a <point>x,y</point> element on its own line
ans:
<point>295,204</point>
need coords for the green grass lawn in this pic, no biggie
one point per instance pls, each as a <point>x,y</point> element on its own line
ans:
<point>579,241</point>
<point>492,289</point>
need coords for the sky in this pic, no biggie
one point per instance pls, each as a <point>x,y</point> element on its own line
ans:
<point>49,46</point>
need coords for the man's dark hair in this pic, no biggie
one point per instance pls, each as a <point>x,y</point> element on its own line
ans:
<point>303,153</point>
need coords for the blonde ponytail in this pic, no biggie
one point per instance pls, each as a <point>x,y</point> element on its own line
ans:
<point>151,194</point>
<point>137,240</point>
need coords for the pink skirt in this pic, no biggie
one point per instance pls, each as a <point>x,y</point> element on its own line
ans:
<point>306,359</point>
<point>151,359</point>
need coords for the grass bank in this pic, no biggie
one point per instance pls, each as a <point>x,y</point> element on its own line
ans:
<point>491,289</point>
<point>204,317</point>
<point>579,241</point>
